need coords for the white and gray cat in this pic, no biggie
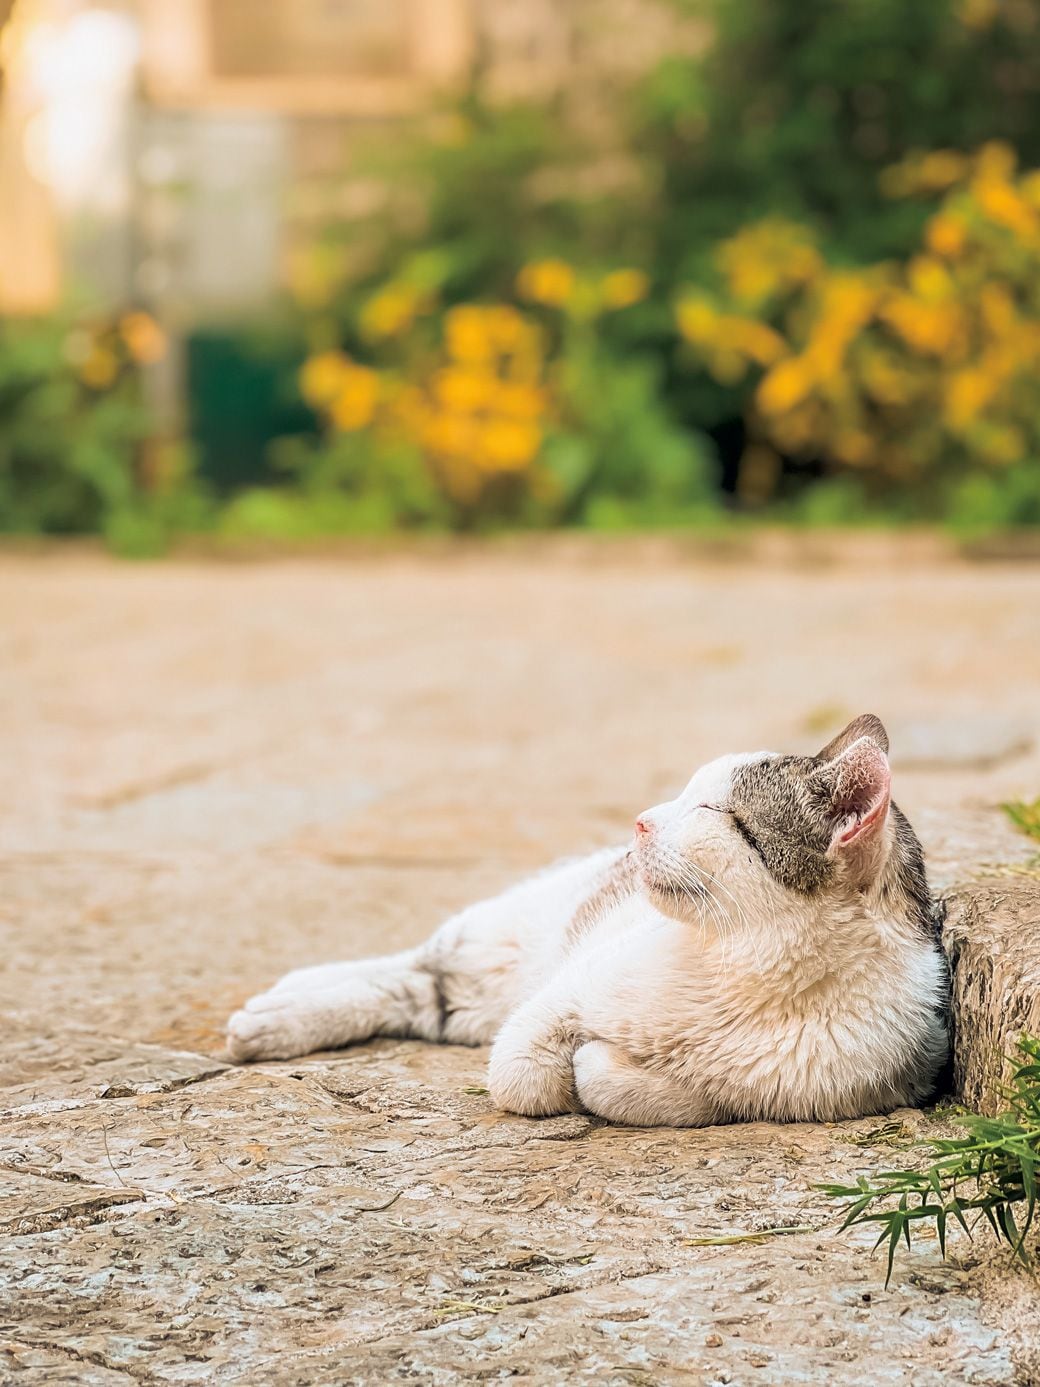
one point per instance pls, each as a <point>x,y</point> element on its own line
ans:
<point>765,948</point>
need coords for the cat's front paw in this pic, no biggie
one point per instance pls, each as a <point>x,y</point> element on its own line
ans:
<point>273,1026</point>
<point>534,1082</point>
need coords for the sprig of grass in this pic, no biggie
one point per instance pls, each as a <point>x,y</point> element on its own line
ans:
<point>988,1173</point>
<point>1024,816</point>
<point>727,1239</point>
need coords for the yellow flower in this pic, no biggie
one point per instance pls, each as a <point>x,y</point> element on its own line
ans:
<point>406,404</point>
<point>519,401</point>
<point>966,393</point>
<point>929,279</point>
<point>847,304</point>
<point>941,169</point>
<point>1002,204</point>
<point>623,288</point>
<point>930,328</point>
<point>727,341</point>
<point>697,319</point>
<point>755,340</point>
<point>787,384</point>
<point>849,300</point>
<point>354,405</point>
<point>933,172</point>
<point>885,366</point>
<point>997,309</point>
<point>99,369</point>
<point>946,235</point>
<point>466,335</point>
<point>144,338</point>
<point>769,257</point>
<point>321,377</point>
<point>463,390</point>
<point>450,435</point>
<point>508,445</point>
<point>549,282</point>
<point>508,329</point>
<point>996,160</point>
<point>389,312</point>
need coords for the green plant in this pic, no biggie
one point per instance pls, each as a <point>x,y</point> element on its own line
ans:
<point>1024,816</point>
<point>617,458</point>
<point>989,1173</point>
<point>470,194</point>
<point>77,449</point>
<point>341,485</point>
<point>483,414</point>
<point>795,113</point>
<point>800,104</point>
<point>913,381</point>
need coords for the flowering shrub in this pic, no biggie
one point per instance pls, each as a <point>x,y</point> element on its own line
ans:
<point>77,452</point>
<point>475,413</point>
<point>480,343</point>
<point>494,411</point>
<point>923,377</point>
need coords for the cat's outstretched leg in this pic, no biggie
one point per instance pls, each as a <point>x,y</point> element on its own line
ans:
<point>339,1004</point>
<point>612,1085</point>
<point>457,987</point>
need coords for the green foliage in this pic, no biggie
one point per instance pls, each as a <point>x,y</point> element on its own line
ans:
<point>793,118</point>
<point>989,1173</point>
<point>618,457</point>
<point>800,104</point>
<point>76,449</point>
<point>344,484</point>
<point>989,501</point>
<point>472,196</point>
<point>1024,816</point>
<point>797,111</point>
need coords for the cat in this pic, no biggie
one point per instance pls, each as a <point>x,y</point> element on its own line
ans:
<point>765,948</point>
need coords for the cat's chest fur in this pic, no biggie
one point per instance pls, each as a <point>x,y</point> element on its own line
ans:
<point>765,1027</point>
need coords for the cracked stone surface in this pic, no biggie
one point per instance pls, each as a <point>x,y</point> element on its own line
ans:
<point>210,773</point>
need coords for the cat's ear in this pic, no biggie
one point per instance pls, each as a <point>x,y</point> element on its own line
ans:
<point>866,725</point>
<point>859,784</point>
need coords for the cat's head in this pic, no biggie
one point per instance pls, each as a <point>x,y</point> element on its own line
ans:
<point>778,833</point>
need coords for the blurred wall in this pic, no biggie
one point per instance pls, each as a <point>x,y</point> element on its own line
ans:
<point>149,148</point>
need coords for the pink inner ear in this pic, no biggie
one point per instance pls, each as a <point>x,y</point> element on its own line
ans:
<point>874,816</point>
<point>861,791</point>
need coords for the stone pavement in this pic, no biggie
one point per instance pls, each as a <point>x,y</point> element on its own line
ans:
<point>212,772</point>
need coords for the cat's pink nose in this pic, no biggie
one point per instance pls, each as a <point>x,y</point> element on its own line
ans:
<point>643,826</point>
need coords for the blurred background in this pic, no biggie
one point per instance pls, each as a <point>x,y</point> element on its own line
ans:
<point>320,267</point>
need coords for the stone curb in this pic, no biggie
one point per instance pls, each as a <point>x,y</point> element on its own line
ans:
<point>992,938</point>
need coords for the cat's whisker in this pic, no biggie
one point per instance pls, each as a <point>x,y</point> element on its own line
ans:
<point>742,915</point>
<point>690,877</point>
